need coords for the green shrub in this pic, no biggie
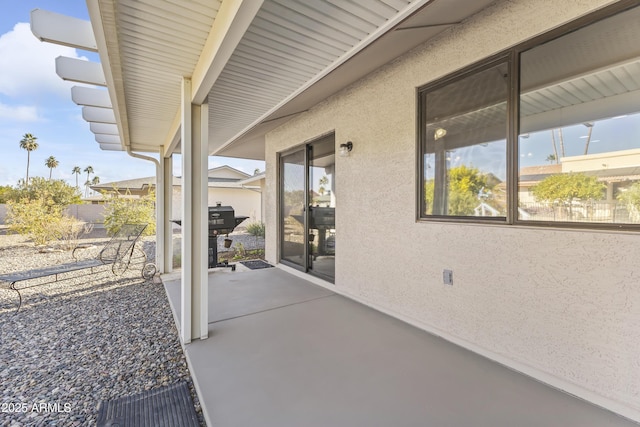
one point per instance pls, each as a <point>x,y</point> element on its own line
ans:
<point>177,261</point>
<point>35,210</point>
<point>56,190</point>
<point>5,193</point>
<point>38,219</point>
<point>256,229</point>
<point>126,210</point>
<point>239,252</point>
<point>631,198</point>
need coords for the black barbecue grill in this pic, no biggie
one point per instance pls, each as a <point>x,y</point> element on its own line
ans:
<point>322,219</point>
<point>222,221</point>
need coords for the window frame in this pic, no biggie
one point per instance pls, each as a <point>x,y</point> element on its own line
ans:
<point>511,57</point>
<point>506,58</point>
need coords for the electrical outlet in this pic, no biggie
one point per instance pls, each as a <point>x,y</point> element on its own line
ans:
<point>447,277</point>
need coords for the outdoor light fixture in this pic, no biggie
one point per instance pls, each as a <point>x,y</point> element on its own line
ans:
<point>345,149</point>
<point>440,133</point>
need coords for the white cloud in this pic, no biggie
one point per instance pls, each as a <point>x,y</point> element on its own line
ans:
<point>18,113</point>
<point>28,65</point>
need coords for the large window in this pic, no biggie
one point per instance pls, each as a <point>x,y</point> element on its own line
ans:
<point>465,150</point>
<point>562,148</point>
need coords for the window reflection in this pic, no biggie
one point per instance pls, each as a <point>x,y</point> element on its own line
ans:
<point>579,147</point>
<point>465,146</point>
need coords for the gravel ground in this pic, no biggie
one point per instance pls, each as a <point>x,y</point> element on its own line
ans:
<point>81,340</point>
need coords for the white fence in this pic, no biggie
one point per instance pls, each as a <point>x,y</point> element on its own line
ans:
<point>613,212</point>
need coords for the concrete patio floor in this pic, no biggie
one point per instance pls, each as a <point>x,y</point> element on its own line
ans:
<point>284,352</point>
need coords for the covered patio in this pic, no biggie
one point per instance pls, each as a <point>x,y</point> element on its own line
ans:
<point>330,95</point>
<point>286,352</point>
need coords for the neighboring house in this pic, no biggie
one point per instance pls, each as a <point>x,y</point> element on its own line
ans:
<point>130,187</point>
<point>227,185</point>
<point>384,98</point>
<point>617,170</point>
<point>532,175</point>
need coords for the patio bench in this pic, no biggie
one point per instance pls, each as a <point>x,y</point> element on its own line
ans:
<point>118,252</point>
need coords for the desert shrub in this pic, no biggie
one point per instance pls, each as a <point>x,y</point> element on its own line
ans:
<point>38,219</point>
<point>35,209</point>
<point>56,191</point>
<point>70,229</point>
<point>122,210</point>
<point>5,193</point>
<point>631,198</point>
<point>256,229</point>
<point>177,261</point>
<point>239,251</point>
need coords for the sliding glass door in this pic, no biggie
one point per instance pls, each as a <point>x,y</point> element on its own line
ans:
<point>308,201</point>
<point>293,208</point>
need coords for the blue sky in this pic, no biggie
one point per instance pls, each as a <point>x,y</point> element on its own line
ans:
<point>33,99</point>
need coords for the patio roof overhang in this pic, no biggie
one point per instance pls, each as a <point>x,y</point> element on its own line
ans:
<point>257,63</point>
<point>230,71</point>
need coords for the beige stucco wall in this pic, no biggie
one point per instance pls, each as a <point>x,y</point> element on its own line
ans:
<point>602,161</point>
<point>245,202</point>
<point>560,305</point>
<point>93,214</point>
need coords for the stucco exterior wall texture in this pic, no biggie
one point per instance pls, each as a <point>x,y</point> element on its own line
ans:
<point>244,202</point>
<point>560,305</point>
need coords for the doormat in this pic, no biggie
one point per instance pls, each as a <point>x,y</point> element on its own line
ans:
<point>255,264</point>
<point>163,407</point>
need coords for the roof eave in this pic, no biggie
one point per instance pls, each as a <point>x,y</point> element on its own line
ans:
<point>99,11</point>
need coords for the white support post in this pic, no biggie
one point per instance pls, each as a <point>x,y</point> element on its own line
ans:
<point>160,215</point>
<point>187,225</point>
<point>200,216</point>
<point>194,218</point>
<point>167,166</point>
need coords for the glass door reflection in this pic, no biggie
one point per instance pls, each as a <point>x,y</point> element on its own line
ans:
<point>322,208</point>
<point>293,208</point>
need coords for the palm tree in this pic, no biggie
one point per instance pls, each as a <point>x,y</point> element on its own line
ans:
<point>88,170</point>
<point>553,142</point>
<point>77,171</point>
<point>95,180</point>
<point>28,142</point>
<point>323,181</point>
<point>561,142</point>
<point>589,125</point>
<point>51,163</point>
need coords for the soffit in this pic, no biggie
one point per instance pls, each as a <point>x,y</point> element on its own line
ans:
<point>280,67</point>
<point>288,44</point>
<point>151,45</point>
<point>295,54</point>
